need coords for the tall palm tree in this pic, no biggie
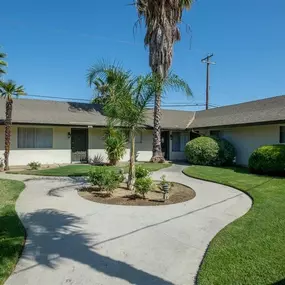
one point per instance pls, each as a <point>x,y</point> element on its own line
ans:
<point>126,103</point>
<point>161,19</point>
<point>3,63</point>
<point>8,90</point>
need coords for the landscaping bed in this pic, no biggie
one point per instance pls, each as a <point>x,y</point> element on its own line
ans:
<point>122,196</point>
<point>251,249</point>
<point>12,233</point>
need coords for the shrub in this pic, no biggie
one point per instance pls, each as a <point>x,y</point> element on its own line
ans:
<point>141,172</point>
<point>1,163</point>
<point>105,178</point>
<point>269,159</point>
<point>115,144</point>
<point>34,165</point>
<point>143,185</point>
<point>210,151</point>
<point>98,159</point>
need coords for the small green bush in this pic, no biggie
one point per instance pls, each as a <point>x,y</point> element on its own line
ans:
<point>34,165</point>
<point>107,179</point>
<point>115,144</point>
<point>210,151</point>
<point>269,159</point>
<point>143,185</point>
<point>141,172</point>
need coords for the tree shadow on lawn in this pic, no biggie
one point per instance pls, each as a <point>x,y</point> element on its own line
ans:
<point>53,235</point>
<point>281,282</point>
<point>12,235</point>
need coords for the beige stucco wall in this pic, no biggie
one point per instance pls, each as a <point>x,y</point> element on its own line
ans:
<point>247,139</point>
<point>59,154</point>
<point>96,146</point>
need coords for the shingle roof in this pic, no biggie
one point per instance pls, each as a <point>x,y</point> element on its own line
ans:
<point>80,114</point>
<point>268,110</point>
<point>255,112</point>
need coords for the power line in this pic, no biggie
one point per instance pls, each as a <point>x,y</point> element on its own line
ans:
<point>172,104</point>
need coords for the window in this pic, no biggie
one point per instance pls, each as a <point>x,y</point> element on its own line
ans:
<point>35,137</point>
<point>138,136</point>
<point>282,134</point>
<point>215,134</point>
<point>179,141</point>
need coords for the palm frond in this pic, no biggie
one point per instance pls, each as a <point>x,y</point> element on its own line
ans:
<point>9,89</point>
<point>176,83</point>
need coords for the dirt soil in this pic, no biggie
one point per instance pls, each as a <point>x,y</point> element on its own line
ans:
<point>122,196</point>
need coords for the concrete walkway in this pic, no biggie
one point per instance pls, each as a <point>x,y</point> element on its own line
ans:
<point>75,241</point>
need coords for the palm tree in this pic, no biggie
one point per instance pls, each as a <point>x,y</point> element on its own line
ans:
<point>8,90</point>
<point>126,103</point>
<point>161,18</point>
<point>3,63</point>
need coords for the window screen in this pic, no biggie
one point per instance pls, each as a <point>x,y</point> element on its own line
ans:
<point>35,137</point>
<point>282,134</point>
<point>176,142</point>
<point>215,133</point>
<point>179,141</point>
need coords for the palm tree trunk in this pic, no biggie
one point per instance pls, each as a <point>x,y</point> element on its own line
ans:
<point>131,178</point>
<point>156,147</point>
<point>8,125</point>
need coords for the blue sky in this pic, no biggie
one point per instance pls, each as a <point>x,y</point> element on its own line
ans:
<point>51,44</point>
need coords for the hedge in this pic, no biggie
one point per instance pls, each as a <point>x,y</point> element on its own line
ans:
<point>211,151</point>
<point>268,159</point>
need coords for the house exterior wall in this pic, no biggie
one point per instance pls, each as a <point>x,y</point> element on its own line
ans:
<point>247,139</point>
<point>61,150</point>
<point>96,146</point>
<point>59,154</point>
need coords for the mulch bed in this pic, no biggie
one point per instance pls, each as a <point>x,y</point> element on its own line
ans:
<point>122,196</point>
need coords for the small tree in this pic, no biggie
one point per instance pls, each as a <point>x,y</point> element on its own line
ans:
<point>8,90</point>
<point>125,105</point>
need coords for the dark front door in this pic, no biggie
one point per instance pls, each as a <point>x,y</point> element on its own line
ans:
<point>165,144</point>
<point>79,145</point>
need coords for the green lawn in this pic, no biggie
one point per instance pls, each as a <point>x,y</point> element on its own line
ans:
<point>251,250</point>
<point>12,233</point>
<point>82,170</point>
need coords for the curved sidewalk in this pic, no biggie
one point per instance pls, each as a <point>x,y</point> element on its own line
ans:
<point>75,241</point>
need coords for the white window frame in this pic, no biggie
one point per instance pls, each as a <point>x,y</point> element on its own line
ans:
<point>35,128</point>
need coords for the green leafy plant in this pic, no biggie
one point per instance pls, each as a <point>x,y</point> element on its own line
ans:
<point>143,185</point>
<point>34,165</point>
<point>1,163</point>
<point>210,151</point>
<point>115,144</point>
<point>164,182</point>
<point>269,159</point>
<point>98,159</point>
<point>141,172</point>
<point>105,178</point>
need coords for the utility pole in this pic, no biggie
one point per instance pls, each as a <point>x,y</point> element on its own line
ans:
<point>208,62</point>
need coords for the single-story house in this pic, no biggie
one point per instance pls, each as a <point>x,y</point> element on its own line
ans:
<point>53,132</point>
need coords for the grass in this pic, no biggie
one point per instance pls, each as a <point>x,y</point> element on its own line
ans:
<point>251,250</point>
<point>12,233</point>
<point>82,170</point>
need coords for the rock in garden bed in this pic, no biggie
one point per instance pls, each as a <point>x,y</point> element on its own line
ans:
<point>122,196</point>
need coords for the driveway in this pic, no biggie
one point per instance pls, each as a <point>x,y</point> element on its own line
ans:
<point>74,241</point>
